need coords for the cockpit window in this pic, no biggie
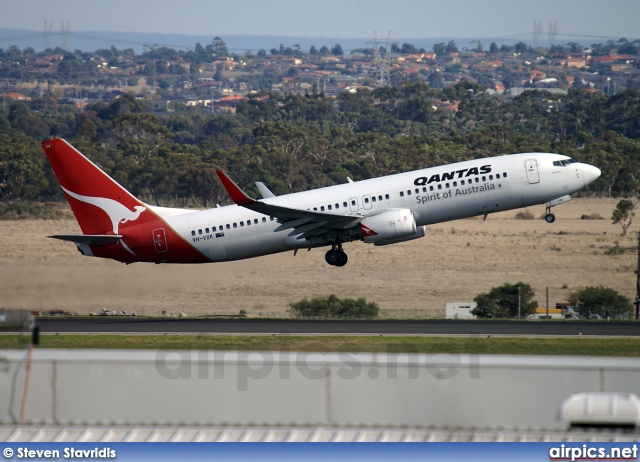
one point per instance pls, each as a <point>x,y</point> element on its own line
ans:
<point>563,163</point>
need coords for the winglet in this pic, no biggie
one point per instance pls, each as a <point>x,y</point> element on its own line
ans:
<point>264,191</point>
<point>237,195</point>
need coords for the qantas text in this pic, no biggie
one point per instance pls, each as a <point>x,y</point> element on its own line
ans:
<point>465,172</point>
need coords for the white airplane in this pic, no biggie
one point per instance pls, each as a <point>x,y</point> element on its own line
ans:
<point>379,211</point>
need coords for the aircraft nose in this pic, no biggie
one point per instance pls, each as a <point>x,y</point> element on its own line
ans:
<point>590,173</point>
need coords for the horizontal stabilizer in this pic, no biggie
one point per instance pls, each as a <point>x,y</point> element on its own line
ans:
<point>88,239</point>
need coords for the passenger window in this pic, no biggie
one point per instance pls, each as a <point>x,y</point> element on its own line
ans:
<point>344,204</point>
<point>353,202</point>
<point>490,177</point>
<point>271,218</point>
<point>373,199</point>
<point>439,186</point>
<point>386,196</point>
<point>264,219</point>
<point>431,188</point>
<point>315,208</point>
<point>455,184</point>
<point>484,178</point>
<point>504,174</point>
<point>498,176</point>
<point>401,194</point>
<point>255,222</point>
<point>228,226</point>
<point>477,180</point>
<point>329,207</point>
<point>417,190</point>
<point>248,222</point>
<point>408,192</point>
<point>221,228</point>
<point>193,233</point>
<point>337,206</point>
<point>322,208</point>
<point>199,231</point>
<point>462,182</point>
<point>235,225</point>
<point>380,198</point>
<point>447,185</point>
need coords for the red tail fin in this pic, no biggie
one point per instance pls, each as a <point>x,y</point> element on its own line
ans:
<point>100,205</point>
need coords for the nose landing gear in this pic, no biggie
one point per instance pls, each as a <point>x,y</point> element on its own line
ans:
<point>550,217</point>
<point>336,256</point>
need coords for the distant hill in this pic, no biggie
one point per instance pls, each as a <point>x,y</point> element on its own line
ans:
<point>93,40</point>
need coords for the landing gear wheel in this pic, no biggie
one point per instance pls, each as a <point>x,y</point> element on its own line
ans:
<point>333,257</point>
<point>550,217</point>
<point>343,259</point>
<point>336,257</point>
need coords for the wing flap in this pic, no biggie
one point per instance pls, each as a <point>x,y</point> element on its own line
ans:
<point>293,223</point>
<point>307,227</point>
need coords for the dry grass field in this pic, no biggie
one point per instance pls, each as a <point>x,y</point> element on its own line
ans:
<point>455,262</point>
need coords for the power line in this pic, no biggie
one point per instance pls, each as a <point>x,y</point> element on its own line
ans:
<point>598,36</point>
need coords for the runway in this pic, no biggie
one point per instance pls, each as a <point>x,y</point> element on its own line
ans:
<point>120,325</point>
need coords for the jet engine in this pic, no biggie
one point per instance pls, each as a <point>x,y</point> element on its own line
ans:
<point>391,227</point>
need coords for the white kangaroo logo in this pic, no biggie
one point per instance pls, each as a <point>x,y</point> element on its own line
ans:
<point>117,212</point>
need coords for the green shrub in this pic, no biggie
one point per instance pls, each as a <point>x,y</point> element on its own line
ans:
<point>26,210</point>
<point>524,215</point>
<point>334,307</point>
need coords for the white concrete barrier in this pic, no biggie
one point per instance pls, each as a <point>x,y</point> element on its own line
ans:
<point>263,388</point>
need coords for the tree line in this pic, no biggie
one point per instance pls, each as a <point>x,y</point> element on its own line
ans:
<point>516,301</point>
<point>296,142</point>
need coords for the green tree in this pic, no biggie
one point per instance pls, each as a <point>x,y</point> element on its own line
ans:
<point>601,301</point>
<point>502,302</point>
<point>336,50</point>
<point>440,48</point>
<point>22,172</point>
<point>218,48</point>
<point>408,48</point>
<point>623,214</point>
<point>451,47</point>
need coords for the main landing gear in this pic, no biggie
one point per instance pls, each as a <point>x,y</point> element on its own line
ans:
<point>336,256</point>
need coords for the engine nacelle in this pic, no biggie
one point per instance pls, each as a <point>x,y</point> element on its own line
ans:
<point>391,227</point>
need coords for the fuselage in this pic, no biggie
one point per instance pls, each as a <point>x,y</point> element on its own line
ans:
<point>434,195</point>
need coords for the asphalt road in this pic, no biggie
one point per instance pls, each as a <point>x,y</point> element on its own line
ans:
<point>284,326</point>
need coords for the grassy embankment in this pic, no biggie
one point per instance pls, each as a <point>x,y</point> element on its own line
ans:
<point>629,347</point>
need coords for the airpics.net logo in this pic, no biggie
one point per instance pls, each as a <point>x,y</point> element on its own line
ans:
<point>248,367</point>
<point>588,452</point>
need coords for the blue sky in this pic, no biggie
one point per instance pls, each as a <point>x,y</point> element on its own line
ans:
<point>473,19</point>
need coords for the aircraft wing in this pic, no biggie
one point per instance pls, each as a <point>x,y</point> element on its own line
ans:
<point>88,239</point>
<point>307,223</point>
